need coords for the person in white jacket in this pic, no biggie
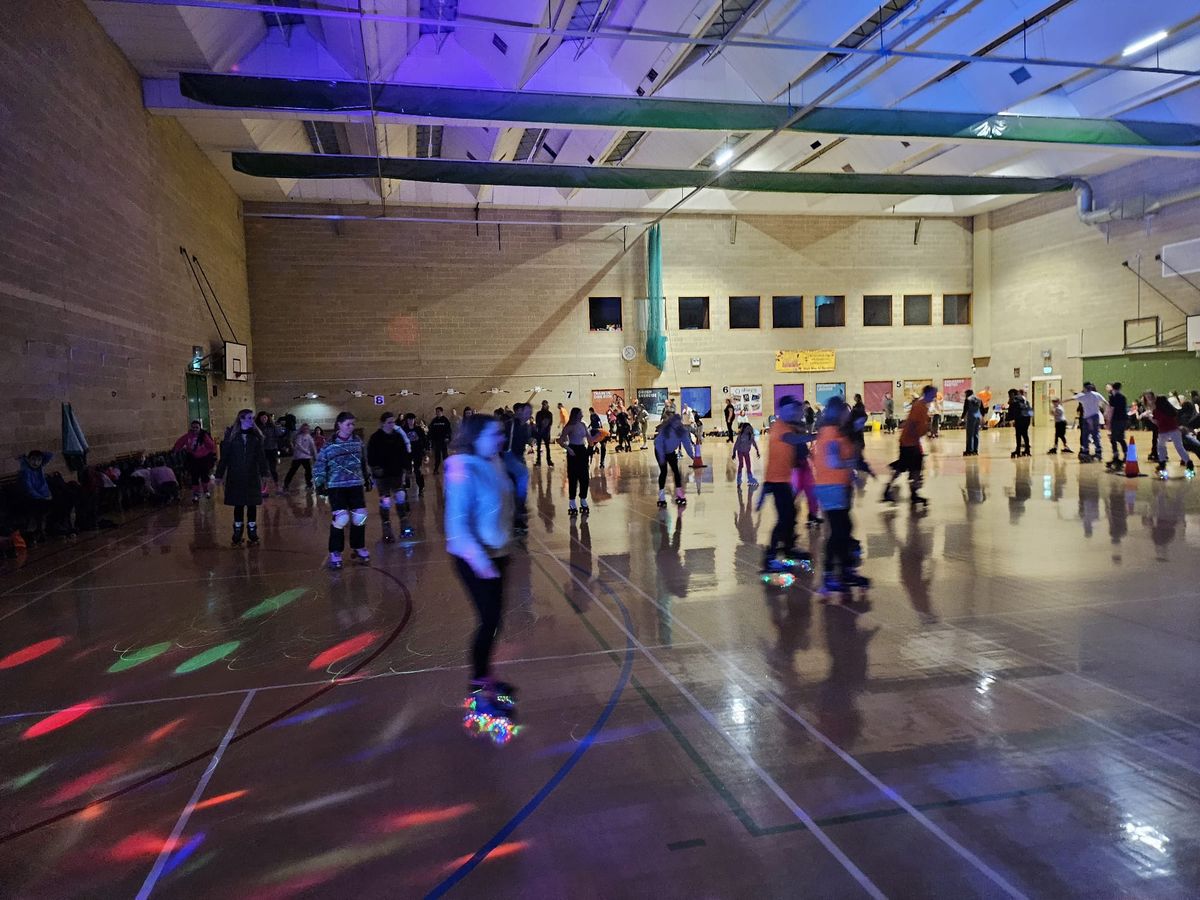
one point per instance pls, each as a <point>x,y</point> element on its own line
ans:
<point>479,532</point>
<point>304,451</point>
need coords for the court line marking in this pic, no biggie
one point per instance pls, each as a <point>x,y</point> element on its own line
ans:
<point>181,823</point>
<point>889,792</point>
<point>95,568</point>
<point>784,797</point>
<point>343,682</point>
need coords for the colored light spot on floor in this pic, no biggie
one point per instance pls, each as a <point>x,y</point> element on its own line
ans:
<point>420,817</point>
<point>162,731</point>
<point>503,850</point>
<point>219,799</point>
<point>32,652</point>
<point>90,813</point>
<point>180,856</point>
<point>207,658</point>
<point>84,783</point>
<point>137,657</point>
<point>271,604</point>
<point>61,719</point>
<point>345,649</point>
<point>27,779</point>
<point>140,844</point>
<point>307,716</point>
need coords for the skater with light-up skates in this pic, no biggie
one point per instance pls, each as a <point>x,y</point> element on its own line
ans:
<point>479,519</point>
<point>672,437</point>
<point>834,461</point>
<point>912,459</point>
<point>341,471</point>
<point>785,440</point>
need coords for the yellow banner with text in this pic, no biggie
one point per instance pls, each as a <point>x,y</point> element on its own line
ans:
<point>805,360</point>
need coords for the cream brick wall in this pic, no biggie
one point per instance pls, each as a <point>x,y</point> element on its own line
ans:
<point>96,197</point>
<point>373,306</point>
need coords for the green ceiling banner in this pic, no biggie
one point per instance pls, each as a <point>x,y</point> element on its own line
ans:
<point>469,104</point>
<point>446,171</point>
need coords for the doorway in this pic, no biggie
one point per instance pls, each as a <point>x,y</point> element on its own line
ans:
<point>1045,390</point>
<point>197,399</point>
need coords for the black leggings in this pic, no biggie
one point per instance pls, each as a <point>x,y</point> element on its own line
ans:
<point>542,440</point>
<point>602,449</point>
<point>297,464</point>
<point>1060,434</point>
<point>488,596</point>
<point>245,514</point>
<point>837,546</point>
<point>784,533</point>
<point>1021,427</point>
<point>577,471</point>
<point>672,460</point>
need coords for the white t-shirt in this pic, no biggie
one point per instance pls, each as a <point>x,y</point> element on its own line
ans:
<point>1060,414</point>
<point>1091,402</point>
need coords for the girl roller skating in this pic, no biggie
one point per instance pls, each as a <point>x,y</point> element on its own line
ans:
<point>834,462</point>
<point>784,441</point>
<point>341,471</point>
<point>576,438</point>
<point>242,468</point>
<point>479,532</point>
<point>742,445</point>
<point>671,437</point>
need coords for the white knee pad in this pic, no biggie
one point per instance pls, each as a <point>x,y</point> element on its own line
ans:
<point>359,518</point>
<point>341,518</point>
<point>385,501</point>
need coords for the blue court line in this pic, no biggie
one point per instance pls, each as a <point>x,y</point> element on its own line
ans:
<point>584,745</point>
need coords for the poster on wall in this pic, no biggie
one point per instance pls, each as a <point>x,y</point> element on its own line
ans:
<point>603,398</point>
<point>911,388</point>
<point>829,389</point>
<point>952,394</point>
<point>784,390</point>
<point>747,400</point>
<point>805,360</point>
<point>652,400</point>
<point>875,394</point>
<point>698,399</point>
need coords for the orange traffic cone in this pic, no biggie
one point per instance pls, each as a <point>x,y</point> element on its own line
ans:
<point>1131,460</point>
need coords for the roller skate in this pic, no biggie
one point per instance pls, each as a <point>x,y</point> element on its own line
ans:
<point>1053,451</point>
<point>490,710</point>
<point>388,536</point>
<point>856,552</point>
<point>571,510</point>
<point>1190,470</point>
<point>752,481</point>
<point>680,497</point>
<point>830,585</point>
<point>1014,454</point>
<point>335,561</point>
<point>1161,470</point>
<point>889,496</point>
<point>662,499</point>
<point>916,500</point>
<point>814,521</point>
<point>237,535</point>
<point>406,530</point>
<point>362,556</point>
<point>252,534</point>
<point>584,509</point>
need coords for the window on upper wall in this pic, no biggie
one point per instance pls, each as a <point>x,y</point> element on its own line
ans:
<point>787,312</point>
<point>956,309</point>
<point>604,313</point>
<point>831,310</point>
<point>877,309</point>
<point>918,309</point>
<point>743,312</point>
<point>693,313</point>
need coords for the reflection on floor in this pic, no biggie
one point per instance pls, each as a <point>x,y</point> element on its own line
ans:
<point>1014,710</point>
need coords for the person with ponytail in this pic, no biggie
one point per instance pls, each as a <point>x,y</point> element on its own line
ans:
<point>242,468</point>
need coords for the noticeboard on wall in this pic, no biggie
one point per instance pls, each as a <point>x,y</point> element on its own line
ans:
<point>805,360</point>
<point>829,389</point>
<point>698,399</point>
<point>747,400</point>
<point>652,400</point>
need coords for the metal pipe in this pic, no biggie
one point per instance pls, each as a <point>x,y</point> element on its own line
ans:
<point>663,37</point>
<point>1088,215</point>
<point>339,217</point>
<point>368,378</point>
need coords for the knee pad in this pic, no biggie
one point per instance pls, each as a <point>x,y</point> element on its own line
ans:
<point>385,502</point>
<point>359,518</point>
<point>341,518</point>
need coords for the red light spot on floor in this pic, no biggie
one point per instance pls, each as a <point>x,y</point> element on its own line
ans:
<point>140,844</point>
<point>503,850</point>
<point>62,718</point>
<point>425,817</point>
<point>220,798</point>
<point>32,652</point>
<point>84,783</point>
<point>159,733</point>
<point>345,649</point>
<point>89,813</point>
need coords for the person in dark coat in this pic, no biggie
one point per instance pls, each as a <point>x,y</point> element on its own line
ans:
<point>243,467</point>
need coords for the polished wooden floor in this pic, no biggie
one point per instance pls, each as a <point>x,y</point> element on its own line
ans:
<point>1013,712</point>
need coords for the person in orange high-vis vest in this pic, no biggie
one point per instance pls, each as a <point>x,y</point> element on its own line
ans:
<point>912,459</point>
<point>833,462</point>
<point>784,441</point>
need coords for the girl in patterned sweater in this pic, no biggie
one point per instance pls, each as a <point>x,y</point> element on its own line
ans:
<point>341,470</point>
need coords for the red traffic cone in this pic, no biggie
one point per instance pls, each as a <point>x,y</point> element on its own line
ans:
<point>1131,460</point>
<point>698,460</point>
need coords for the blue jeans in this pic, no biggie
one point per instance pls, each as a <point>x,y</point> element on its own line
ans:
<point>519,473</point>
<point>1090,428</point>
<point>973,423</point>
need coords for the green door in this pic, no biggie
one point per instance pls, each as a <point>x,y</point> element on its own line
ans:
<point>197,398</point>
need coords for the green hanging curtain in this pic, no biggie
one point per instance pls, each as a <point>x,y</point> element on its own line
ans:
<point>656,337</point>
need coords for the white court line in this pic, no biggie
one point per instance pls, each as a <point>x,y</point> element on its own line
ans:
<point>784,797</point>
<point>96,568</point>
<point>340,682</point>
<point>889,792</point>
<point>169,846</point>
<point>1099,604</point>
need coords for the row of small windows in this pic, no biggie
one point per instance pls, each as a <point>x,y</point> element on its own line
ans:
<point>604,313</point>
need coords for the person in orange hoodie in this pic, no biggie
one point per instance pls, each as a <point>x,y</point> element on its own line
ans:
<point>784,441</point>
<point>912,459</point>
<point>834,462</point>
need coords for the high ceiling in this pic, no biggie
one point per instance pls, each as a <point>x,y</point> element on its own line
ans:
<point>996,58</point>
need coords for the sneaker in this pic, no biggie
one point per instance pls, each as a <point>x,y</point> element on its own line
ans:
<point>1067,450</point>
<point>1052,451</point>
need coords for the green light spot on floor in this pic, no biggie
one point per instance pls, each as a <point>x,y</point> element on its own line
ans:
<point>137,657</point>
<point>28,778</point>
<point>271,604</point>
<point>207,658</point>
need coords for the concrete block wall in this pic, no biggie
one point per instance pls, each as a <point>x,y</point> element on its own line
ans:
<point>96,197</point>
<point>380,307</point>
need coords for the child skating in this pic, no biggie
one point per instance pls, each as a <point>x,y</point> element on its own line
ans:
<point>784,440</point>
<point>341,471</point>
<point>671,438</point>
<point>1060,427</point>
<point>912,459</point>
<point>834,462</point>
<point>742,445</point>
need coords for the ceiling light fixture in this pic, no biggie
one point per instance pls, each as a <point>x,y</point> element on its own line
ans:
<point>1145,42</point>
<point>724,155</point>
